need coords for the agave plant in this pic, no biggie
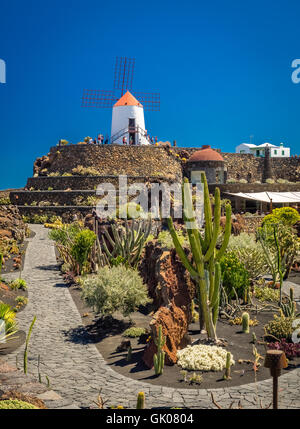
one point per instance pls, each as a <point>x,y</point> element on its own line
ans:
<point>127,243</point>
<point>7,319</point>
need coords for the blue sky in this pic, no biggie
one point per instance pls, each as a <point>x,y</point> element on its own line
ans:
<point>223,69</point>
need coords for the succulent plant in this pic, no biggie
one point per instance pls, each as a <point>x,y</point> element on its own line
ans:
<point>126,244</point>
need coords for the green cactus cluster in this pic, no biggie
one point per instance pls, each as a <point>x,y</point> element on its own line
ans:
<point>289,308</point>
<point>126,243</point>
<point>205,267</point>
<point>140,404</point>
<point>159,357</point>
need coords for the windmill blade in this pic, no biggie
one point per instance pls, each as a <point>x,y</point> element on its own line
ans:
<point>123,76</point>
<point>149,100</point>
<point>98,98</point>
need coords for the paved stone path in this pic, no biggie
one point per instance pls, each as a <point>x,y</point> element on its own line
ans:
<point>77,371</point>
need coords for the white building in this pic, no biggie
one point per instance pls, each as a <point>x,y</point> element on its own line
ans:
<point>259,150</point>
<point>128,121</point>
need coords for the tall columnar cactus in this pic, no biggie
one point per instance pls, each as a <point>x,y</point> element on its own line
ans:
<point>205,267</point>
<point>127,244</point>
<point>159,357</point>
<point>279,264</point>
<point>227,368</point>
<point>140,404</point>
<point>129,354</point>
<point>245,323</point>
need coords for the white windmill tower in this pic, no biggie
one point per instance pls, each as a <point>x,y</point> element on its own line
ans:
<point>128,112</point>
<point>128,121</point>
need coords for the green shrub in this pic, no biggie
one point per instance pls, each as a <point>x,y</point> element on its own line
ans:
<point>115,289</point>
<point>286,215</point>
<point>282,181</point>
<point>40,219</point>
<point>69,245</point>
<point>44,204</point>
<point>85,171</point>
<point>82,247</point>
<point>15,404</point>
<point>280,327</point>
<point>53,219</point>
<point>91,200</point>
<point>250,254</point>
<point>18,284</point>
<point>5,201</point>
<point>134,332</point>
<point>270,181</point>
<point>266,294</point>
<point>66,234</point>
<point>234,276</point>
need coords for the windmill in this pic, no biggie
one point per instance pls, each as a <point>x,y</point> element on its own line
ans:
<point>128,105</point>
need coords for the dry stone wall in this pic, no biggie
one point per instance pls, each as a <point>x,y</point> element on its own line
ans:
<point>110,160</point>
<point>145,161</point>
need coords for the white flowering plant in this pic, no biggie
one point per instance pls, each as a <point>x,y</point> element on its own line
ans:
<point>203,358</point>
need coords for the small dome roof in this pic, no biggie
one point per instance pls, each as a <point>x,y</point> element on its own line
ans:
<point>206,153</point>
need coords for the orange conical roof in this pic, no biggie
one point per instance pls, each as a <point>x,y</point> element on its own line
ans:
<point>128,100</point>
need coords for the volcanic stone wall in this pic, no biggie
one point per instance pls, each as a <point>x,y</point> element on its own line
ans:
<point>146,161</point>
<point>145,164</point>
<point>111,160</point>
<point>85,182</point>
<point>250,168</point>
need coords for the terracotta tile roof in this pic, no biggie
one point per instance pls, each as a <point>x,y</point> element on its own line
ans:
<point>206,153</point>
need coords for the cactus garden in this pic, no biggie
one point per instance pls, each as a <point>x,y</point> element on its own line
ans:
<point>173,303</point>
<point>169,303</point>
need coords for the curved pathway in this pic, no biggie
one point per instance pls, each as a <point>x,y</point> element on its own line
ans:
<point>77,371</point>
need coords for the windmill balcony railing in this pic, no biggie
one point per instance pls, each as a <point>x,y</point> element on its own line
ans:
<point>128,130</point>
